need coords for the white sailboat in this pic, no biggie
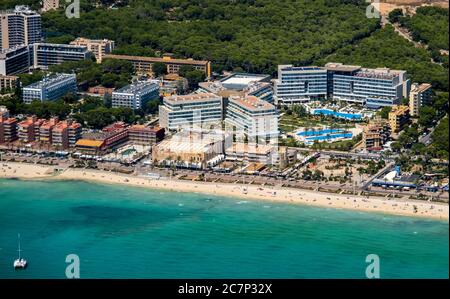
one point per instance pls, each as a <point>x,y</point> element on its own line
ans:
<point>20,263</point>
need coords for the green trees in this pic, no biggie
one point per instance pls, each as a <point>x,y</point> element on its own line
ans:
<point>427,115</point>
<point>111,73</point>
<point>441,140</point>
<point>394,15</point>
<point>429,25</point>
<point>386,48</point>
<point>384,112</point>
<point>192,75</point>
<point>255,35</point>
<point>159,69</point>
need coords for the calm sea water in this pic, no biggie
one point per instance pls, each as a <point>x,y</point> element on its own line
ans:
<point>122,232</point>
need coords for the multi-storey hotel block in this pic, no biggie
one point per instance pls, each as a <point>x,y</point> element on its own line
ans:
<point>254,118</point>
<point>374,88</point>
<point>376,134</point>
<point>19,59</point>
<point>8,82</point>
<point>300,84</point>
<point>420,96</point>
<point>98,47</point>
<point>29,129</point>
<point>144,65</point>
<point>135,95</point>
<point>21,26</point>
<point>145,135</point>
<point>8,128</point>
<point>50,88</point>
<point>398,118</point>
<point>185,111</point>
<point>44,54</point>
<point>15,60</point>
<point>240,84</point>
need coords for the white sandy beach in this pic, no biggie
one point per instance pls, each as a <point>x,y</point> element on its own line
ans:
<point>276,194</point>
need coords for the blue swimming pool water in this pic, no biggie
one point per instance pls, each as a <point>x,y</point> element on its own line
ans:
<point>330,136</point>
<point>319,132</point>
<point>337,114</point>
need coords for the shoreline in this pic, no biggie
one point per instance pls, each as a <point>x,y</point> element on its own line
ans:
<point>400,207</point>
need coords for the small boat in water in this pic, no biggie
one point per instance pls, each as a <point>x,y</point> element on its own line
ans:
<point>20,263</point>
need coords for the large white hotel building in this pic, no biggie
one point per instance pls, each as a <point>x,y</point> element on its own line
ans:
<point>374,88</point>
<point>185,111</point>
<point>253,118</point>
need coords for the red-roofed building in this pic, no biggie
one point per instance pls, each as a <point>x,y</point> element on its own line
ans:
<point>8,129</point>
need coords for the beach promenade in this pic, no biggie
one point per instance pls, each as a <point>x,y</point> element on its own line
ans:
<point>412,208</point>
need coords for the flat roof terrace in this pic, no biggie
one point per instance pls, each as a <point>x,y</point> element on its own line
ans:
<point>159,59</point>
<point>252,103</point>
<point>197,97</point>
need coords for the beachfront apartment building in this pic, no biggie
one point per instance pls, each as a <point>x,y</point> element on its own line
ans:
<point>98,47</point>
<point>143,65</point>
<point>45,54</point>
<point>253,118</point>
<point>135,95</point>
<point>8,129</point>
<point>29,129</point>
<point>14,60</point>
<point>376,134</point>
<point>19,26</point>
<point>46,129</point>
<point>398,118</point>
<point>51,88</point>
<point>300,84</point>
<point>265,154</point>
<point>108,139</point>
<point>374,88</point>
<point>65,134</point>
<point>145,135</point>
<point>8,82</point>
<point>186,111</point>
<point>419,96</point>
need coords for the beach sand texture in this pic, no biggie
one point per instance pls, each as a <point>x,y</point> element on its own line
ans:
<point>276,194</point>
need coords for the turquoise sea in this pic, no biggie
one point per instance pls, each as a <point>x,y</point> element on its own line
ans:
<point>123,232</point>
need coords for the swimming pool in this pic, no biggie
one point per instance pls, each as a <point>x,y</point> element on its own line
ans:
<point>319,132</point>
<point>337,114</point>
<point>329,137</point>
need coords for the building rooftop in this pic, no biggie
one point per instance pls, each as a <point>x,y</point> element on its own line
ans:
<point>191,97</point>
<point>420,87</point>
<point>144,128</point>
<point>239,148</point>
<point>20,9</point>
<point>159,59</point>
<point>50,80</point>
<point>290,67</point>
<point>252,103</point>
<point>379,73</point>
<point>5,52</point>
<point>135,87</point>
<point>89,143</point>
<point>339,67</point>
<point>241,80</point>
